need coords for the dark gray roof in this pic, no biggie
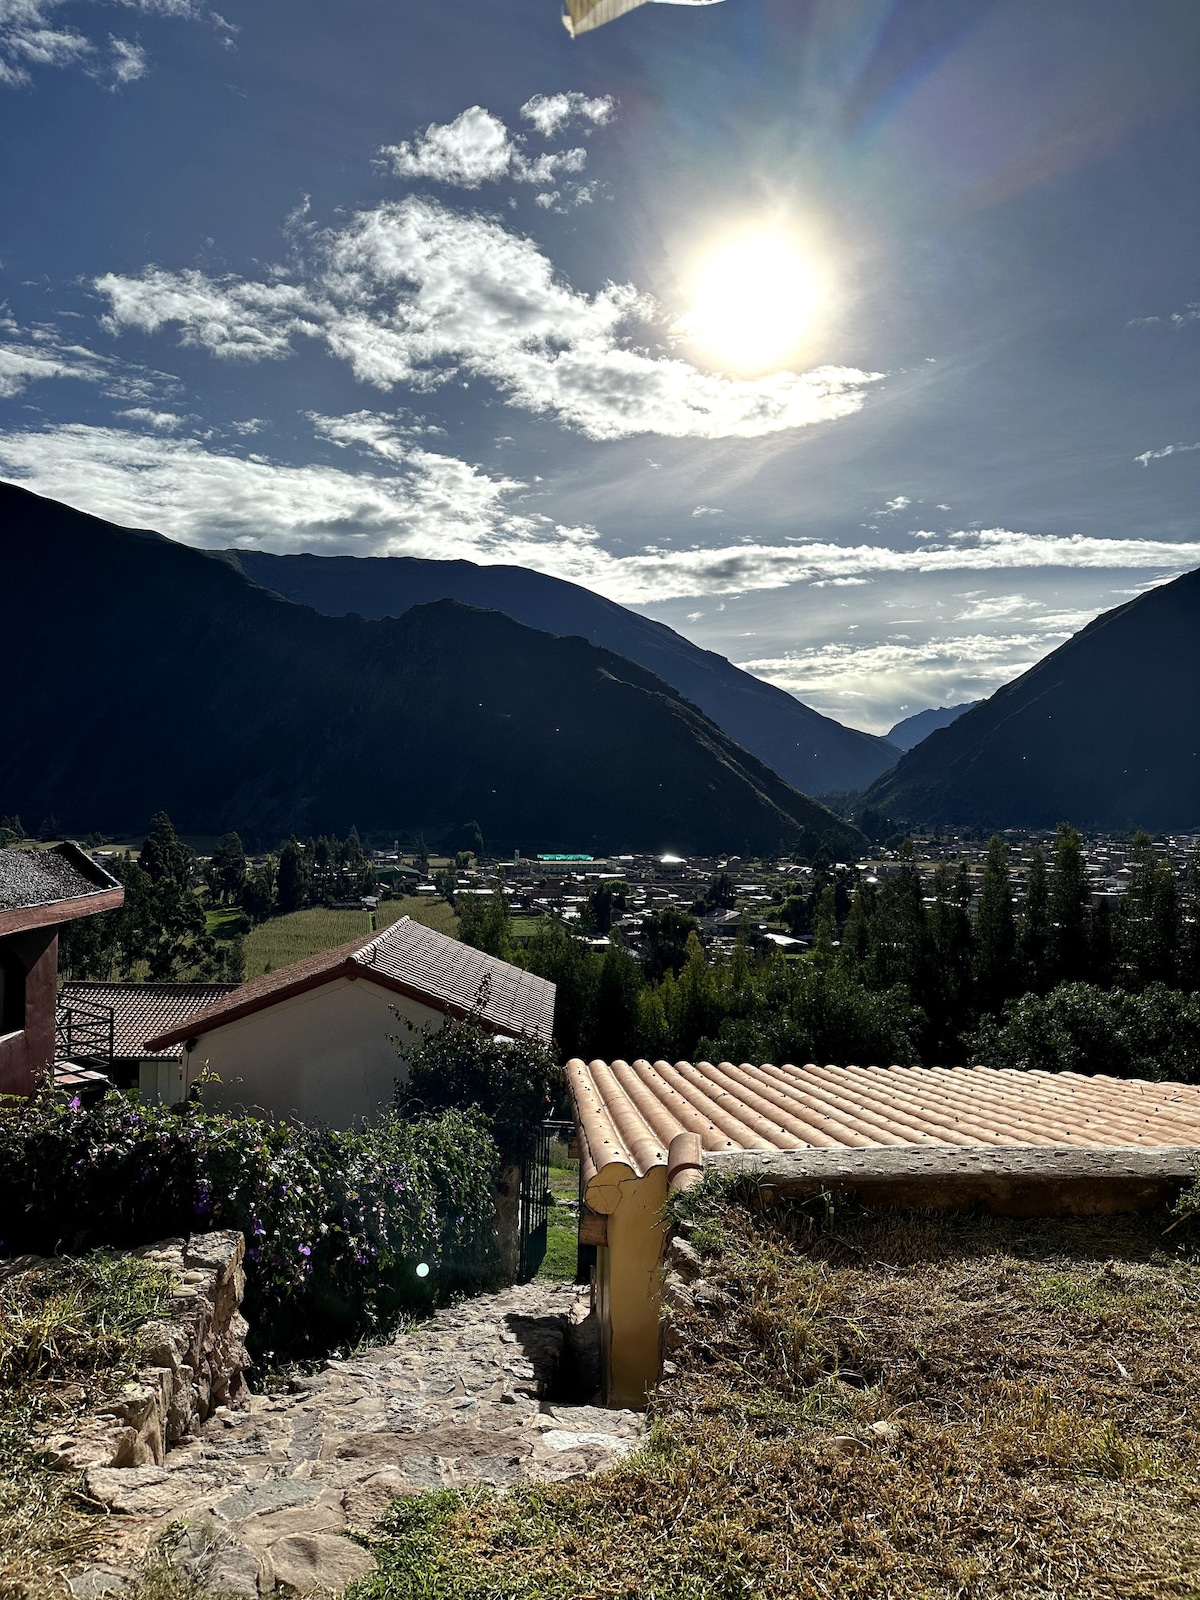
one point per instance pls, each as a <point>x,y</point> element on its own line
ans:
<point>30,878</point>
<point>143,1010</point>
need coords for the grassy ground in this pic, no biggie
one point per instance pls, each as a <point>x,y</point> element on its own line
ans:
<point>563,1222</point>
<point>427,909</point>
<point>282,940</point>
<point>865,1407</point>
<point>68,1340</point>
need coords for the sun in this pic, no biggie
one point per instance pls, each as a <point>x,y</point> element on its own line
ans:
<point>753,301</point>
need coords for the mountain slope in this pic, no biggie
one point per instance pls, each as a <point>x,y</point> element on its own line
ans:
<point>909,732</point>
<point>814,753</point>
<point>1104,733</point>
<point>151,674</point>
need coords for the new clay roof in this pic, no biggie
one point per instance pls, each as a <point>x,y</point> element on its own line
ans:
<point>628,1112</point>
<point>409,959</point>
<point>142,1010</point>
<point>41,887</point>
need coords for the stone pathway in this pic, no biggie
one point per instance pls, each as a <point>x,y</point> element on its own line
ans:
<point>269,1493</point>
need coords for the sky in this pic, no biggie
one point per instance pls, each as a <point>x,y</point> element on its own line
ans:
<point>855,339</point>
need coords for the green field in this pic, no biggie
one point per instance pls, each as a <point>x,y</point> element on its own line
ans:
<point>282,940</point>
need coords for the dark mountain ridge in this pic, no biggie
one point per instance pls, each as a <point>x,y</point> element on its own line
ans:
<point>143,673</point>
<point>814,753</point>
<point>1105,733</point>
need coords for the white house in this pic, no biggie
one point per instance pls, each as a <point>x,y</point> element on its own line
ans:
<point>315,1041</point>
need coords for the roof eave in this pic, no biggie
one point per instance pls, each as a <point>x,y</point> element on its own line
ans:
<point>52,912</point>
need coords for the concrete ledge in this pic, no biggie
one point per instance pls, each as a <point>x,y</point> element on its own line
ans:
<point>1018,1181</point>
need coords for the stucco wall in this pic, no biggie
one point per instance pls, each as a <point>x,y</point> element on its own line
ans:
<point>27,1054</point>
<point>321,1056</point>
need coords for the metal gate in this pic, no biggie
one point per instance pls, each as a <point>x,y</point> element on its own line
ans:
<point>535,1204</point>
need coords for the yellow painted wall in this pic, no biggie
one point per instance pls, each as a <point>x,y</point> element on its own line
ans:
<point>628,1289</point>
<point>321,1056</point>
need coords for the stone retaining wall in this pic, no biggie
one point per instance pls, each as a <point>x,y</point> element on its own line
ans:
<point>195,1362</point>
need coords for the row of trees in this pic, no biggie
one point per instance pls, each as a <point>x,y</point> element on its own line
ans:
<point>902,972</point>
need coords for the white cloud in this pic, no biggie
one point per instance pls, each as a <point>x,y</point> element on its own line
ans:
<point>161,421</point>
<point>707,511</point>
<point>30,38</point>
<point>1177,319</point>
<point>228,316</point>
<point>414,293</point>
<point>23,363</point>
<point>551,112</point>
<point>867,684</point>
<point>128,61</point>
<point>474,149</point>
<point>891,507</point>
<point>1148,456</point>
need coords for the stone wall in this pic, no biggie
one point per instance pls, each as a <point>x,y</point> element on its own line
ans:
<point>195,1360</point>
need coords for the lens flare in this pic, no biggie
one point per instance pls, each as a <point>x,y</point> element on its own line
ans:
<point>754,300</point>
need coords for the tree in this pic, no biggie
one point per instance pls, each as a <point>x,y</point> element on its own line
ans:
<point>826,929</point>
<point>1033,933</point>
<point>665,942</point>
<point>1148,920</point>
<point>258,891</point>
<point>164,857</point>
<point>614,1031</point>
<point>294,882</point>
<point>484,922</point>
<point>229,868</point>
<point>721,894</point>
<point>1189,928</point>
<point>953,951</point>
<point>1069,900</point>
<point>995,931</point>
<point>555,954</point>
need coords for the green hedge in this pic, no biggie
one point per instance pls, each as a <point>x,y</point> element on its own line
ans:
<point>336,1224</point>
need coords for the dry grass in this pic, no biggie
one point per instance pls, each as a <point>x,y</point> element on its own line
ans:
<point>68,1339</point>
<point>864,1407</point>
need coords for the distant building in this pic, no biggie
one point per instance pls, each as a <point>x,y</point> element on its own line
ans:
<point>315,1040</point>
<point>40,890</point>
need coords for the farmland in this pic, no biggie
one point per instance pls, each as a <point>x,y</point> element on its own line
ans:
<point>282,940</point>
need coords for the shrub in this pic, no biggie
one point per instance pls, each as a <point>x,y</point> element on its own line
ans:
<point>336,1224</point>
<point>511,1084</point>
<point>1081,1028</point>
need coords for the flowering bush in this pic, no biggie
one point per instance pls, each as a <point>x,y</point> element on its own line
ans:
<point>336,1224</point>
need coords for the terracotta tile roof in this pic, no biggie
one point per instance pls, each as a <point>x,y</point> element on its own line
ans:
<point>409,959</point>
<point>41,887</point>
<point>628,1113</point>
<point>143,1010</point>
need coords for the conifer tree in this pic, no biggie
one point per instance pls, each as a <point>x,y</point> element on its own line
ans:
<point>995,931</point>
<point>1033,933</point>
<point>1069,900</point>
<point>1188,960</point>
<point>1148,923</point>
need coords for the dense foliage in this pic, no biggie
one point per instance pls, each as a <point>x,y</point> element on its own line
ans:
<point>161,931</point>
<point>336,1224</point>
<point>512,1085</point>
<point>904,971</point>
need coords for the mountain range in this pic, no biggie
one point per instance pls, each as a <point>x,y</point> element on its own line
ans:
<point>814,753</point>
<point>144,674</point>
<point>909,731</point>
<point>1104,733</point>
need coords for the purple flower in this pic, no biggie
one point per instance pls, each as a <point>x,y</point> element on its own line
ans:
<point>74,1103</point>
<point>305,1250</point>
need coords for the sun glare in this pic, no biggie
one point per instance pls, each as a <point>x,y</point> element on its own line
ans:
<point>753,301</point>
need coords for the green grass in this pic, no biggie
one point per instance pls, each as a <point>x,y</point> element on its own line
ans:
<point>562,1224</point>
<point>68,1340</point>
<point>223,922</point>
<point>429,910</point>
<point>282,940</point>
<point>870,1407</point>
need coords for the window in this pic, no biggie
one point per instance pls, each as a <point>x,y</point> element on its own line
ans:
<point>12,993</point>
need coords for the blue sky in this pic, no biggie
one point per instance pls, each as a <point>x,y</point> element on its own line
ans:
<point>387,277</point>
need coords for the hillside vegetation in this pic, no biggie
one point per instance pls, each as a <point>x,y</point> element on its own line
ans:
<point>1106,730</point>
<point>861,1407</point>
<point>259,715</point>
<point>813,752</point>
